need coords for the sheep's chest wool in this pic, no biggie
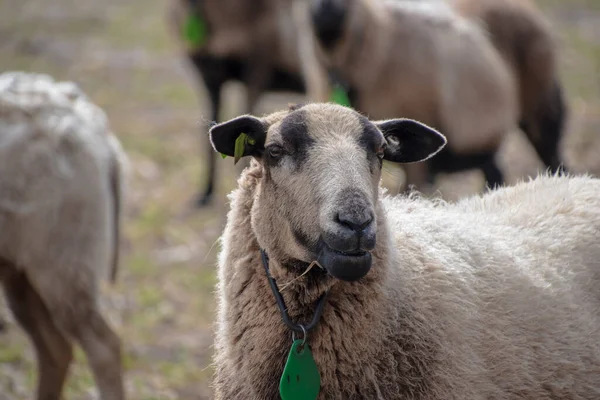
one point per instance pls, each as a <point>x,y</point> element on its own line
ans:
<point>493,297</point>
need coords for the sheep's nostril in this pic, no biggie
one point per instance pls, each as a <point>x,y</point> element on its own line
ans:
<point>353,221</point>
<point>351,231</point>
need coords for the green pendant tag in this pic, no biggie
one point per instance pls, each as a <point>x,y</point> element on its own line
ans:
<point>339,96</point>
<point>194,30</point>
<point>300,379</point>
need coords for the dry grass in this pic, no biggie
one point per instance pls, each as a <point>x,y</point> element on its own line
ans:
<point>121,55</point>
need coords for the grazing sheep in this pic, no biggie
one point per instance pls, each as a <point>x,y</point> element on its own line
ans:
<point>523,37</point>
<point>257,43</point>
<point>422,61</point>
<point>61,190</point>
<point>493,297</point>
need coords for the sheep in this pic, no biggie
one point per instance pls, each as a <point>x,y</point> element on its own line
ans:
<point>423,61</point>
<point>257,43</point>
<point>495,296</point>
<point>523,36</point>
<point>61,192</point>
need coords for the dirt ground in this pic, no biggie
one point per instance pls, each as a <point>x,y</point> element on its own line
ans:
<point>121,54</point>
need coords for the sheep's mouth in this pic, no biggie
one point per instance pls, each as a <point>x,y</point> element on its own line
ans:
<point>351,254</point>
<point>346,266</point>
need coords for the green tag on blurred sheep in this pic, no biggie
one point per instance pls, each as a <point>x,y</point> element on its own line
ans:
<point>195,30</point>
<point>240,146</point>
<point>339,96</point>
<point>300,379</point>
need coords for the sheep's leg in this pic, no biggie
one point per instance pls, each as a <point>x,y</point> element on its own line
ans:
<point>103,350</point>
<point>257,79</point>
<point>54,352</point>
<point>215,100</point>
<point>493,176</point>
<point>74,310</point>
<point>213,72</point>
<point>544,128</point>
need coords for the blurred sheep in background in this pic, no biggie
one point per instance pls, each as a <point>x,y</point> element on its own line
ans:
<point>422,61</point>
<point>61,190</point>
<point>255,42</point>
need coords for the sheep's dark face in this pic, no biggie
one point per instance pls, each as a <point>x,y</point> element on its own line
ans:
<point>321,169</point>
<point>329,19</point>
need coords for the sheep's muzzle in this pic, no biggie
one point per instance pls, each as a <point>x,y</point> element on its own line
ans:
<point>342,265</point>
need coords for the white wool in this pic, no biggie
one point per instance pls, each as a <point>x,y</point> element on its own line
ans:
<point>61,181</point>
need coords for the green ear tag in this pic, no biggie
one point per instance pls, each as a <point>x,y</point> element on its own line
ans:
<point>240,146</point>
<point>195,30</point>
<point>339,96</point>
<point>300,379</point>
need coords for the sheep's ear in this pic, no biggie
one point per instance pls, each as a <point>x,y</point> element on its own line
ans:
<point>409,141</point>
<point>224,135</point>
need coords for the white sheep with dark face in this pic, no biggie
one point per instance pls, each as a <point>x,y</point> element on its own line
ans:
<point>61,189</point>
<point>496,296</point>
<point>422,60</point>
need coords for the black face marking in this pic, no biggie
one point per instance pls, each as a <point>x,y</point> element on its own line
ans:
<point>371,140</point>
<point>295,136</point>
<point>329,19</point>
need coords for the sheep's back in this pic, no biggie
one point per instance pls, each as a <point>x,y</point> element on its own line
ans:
<point>523,37</point>
<point>55,159</point>
<point>465,88</point>
<point>510,284</point>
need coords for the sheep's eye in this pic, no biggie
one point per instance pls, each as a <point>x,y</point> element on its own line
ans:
<point>275,151</point>
<point>381,152</point>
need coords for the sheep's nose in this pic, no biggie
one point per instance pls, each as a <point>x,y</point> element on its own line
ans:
<point>354,221</point>
<point>356,231</point>
<point>352,227</point>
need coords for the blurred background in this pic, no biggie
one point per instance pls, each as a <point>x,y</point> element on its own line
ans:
<point>123,56</point>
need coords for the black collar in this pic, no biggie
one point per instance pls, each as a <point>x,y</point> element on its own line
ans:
<point>299,328</point>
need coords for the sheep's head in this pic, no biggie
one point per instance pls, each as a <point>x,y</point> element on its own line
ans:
<point>329,19</point>
<point>318,193</point>
<point>333,20</point>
